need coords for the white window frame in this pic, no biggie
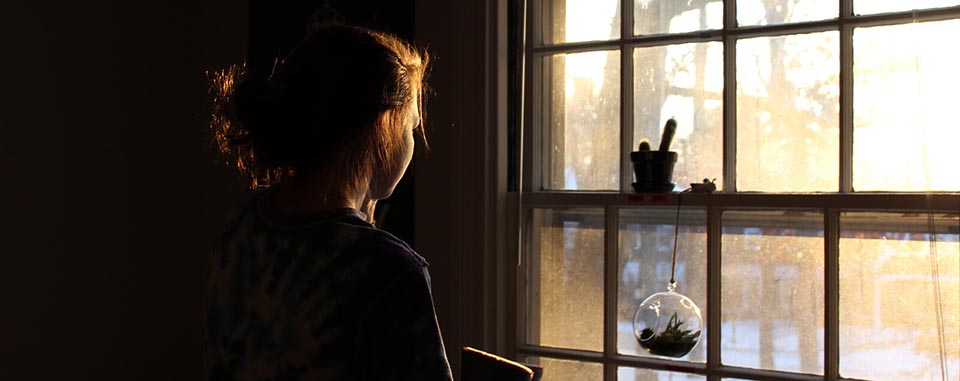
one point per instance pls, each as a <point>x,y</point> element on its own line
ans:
<point>830,204</point>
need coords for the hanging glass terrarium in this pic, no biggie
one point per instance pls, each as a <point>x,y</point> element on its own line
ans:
<point>668,323</point>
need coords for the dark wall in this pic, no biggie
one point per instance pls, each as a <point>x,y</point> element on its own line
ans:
<point>456,182</point>
<point>110,193</point>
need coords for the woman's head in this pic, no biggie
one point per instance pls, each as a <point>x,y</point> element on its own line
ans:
<point>342,105</point>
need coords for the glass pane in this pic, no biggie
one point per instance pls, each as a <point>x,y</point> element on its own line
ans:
<point>905,103</point>
<point>567,370</point>
<point>862,7</point>
<point>684,82</point>
<point>580,20</point>
<point>788,113</point>
<point>635,374</point>
<point>772,290</point>
<point>646,248</point>
<point>889,306</point>
<point>769,12</point>
<point>565,292</point>
<point>671,16</point>
<point>581,121</point>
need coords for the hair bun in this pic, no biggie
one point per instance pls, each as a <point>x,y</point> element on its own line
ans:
<point>257,101</point>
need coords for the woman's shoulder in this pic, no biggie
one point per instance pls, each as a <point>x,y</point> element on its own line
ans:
<point>386,247</point>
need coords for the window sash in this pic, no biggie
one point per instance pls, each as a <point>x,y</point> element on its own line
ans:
<point>845,24</point>
<point>831,205</point>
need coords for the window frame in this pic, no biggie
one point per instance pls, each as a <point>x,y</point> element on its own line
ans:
<point>830,204</point>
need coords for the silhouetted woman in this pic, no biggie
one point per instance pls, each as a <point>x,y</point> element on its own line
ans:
<point>302,285</point>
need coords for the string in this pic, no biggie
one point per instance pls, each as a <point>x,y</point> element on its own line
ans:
<point>676,235</point>
<point>938,298</point>
<point>931,223</point>
<point>520,124</point>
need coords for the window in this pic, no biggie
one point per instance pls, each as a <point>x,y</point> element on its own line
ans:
<point>832,247</point>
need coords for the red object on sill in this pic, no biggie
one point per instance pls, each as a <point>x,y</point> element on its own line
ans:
<point>654,198</point>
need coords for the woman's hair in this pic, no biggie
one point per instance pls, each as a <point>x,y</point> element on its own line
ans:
<point>336,104</point>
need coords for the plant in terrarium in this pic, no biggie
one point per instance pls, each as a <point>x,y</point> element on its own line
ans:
<point>674,341</point>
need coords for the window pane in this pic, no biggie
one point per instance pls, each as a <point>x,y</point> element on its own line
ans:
<point>565,275</point>
<point>888,302</point>
<point>646,249</point>
<point>581,121</point>
<point>684,82</point>
<point>769,12</point>
<point>671,16</point>
<point>635,374</point>
<point>788,113</point>
<point>567,370</point>
<point>580,20</point>
<point>772,290</point>
<point>862,7</point>
<point>905,124</point>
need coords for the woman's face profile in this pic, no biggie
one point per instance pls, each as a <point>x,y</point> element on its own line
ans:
<point>386,179</point>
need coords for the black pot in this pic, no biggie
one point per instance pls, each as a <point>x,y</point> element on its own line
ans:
<point>653,170</point>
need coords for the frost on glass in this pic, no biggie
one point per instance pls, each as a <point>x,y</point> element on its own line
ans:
<point>770,12</point>
<point>567,370</point>
<point>788,113</point>
<point>863,7</point>
<point>771,299</point>
<point>565,275</point>
<point>684,82</point>
<point>645,255</point>
<point>906,129</point>
<point>636,374</point>
<point>580,121</point>
<point>579,20</point>
<point>671,16</point>
<point>899,296</point>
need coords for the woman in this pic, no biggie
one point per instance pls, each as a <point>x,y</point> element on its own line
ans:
<point>302,285</point>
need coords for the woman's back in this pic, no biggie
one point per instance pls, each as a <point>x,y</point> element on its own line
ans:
<point>323,296</point>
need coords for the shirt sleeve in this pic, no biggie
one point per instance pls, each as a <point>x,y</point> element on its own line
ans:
<point>399,338</point>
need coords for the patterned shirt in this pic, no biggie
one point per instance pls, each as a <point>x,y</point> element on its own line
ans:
<point>317,297</point>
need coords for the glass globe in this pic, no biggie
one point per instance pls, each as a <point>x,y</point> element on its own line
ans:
<point>668,324</point>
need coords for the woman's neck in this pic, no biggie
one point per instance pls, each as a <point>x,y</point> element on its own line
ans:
<point>312,193</point>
